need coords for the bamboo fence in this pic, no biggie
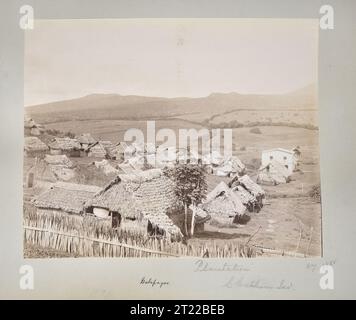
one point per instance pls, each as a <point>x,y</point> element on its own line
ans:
<point>89,237</point>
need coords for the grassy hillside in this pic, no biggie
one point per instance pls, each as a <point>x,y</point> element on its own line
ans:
<point>118,107</point>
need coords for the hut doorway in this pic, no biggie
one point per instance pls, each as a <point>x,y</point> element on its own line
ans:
<point>30,180</point>
<point>115,220</point>
<point>154,230</point>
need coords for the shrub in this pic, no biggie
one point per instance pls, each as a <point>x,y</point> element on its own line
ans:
<point>243,219</point>
<point>60,134</point>
<point>315,193</point>
<point>53,132</point>
<point>70,135</point>
<point>255,130</point>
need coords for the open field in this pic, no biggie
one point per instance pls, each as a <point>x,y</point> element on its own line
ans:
<point>246,117</point>
<point>279,225</point>
<point>114,130</point>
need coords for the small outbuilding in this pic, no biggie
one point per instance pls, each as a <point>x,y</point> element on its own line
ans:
<point>34,147</point>
<point>100,149</point>
<point>66,146</point>
<point>273,173</point>
<point>58,160</point>
<point>32,128</point>
<point>223,205</point>
<point>85,140</point>
<point>118,151</point>
<point>66,198</point>
<point>138,201</point>
<point>250,192</point>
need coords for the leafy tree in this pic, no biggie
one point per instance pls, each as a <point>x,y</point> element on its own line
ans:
<point>190,187</point>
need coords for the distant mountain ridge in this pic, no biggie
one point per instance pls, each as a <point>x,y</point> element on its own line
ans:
<point>116,106</point>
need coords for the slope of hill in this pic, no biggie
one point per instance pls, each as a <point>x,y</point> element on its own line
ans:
<point>118,107</point>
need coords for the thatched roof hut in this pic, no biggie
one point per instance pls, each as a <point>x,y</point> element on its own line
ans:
<point>246,197</point>
<point>45,172</point>
<point>32,128</point>
<point>225,166</point>
<point>145,196</point>
<point>36,131</point>
<point>106,144</point>
<point>249,192</point>
<point>58,160</point>
<point>85,139</point>
<point>29,123</point>
<point>34,146</point>
<point>122,147</point>
<point>64,144</point>
<point>39,174</point>
<point>116,151</point>
<point>248,184</point>
<point>99,149</point>
<point>67,197</point>
<point>273,173</point>
<point>222,204</point>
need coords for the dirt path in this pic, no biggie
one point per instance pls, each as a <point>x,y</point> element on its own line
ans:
<point>283,224</point>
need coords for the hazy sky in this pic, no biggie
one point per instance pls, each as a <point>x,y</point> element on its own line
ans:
<point>168,57</point>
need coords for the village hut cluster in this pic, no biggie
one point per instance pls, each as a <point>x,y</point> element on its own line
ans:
<point>140,202</point>
<point>229,204</point>
<point>141,197</point>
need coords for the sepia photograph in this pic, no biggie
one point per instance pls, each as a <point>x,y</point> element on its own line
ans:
<point>158,138</point>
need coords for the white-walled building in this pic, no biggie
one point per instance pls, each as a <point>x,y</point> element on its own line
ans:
<point>283,156</point>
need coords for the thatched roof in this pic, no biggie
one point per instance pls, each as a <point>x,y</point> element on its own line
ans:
<point>106,144</point>
<point>65,144</point>
<point>127,167</point>
<point>114,151</point>
<point>85,138</point>
<point>246,182</point>
<point>134,164</point>
<point>96,150</point>
<point>100,149</point>
<point>58,160</point>
<point>68,197</point>
<point>63,173</point>
<point>237,165</point>
<point>275,172</point>
<point>246,197</point>
<point>120,147</point>
<point>130,151</point>
<point>222,201</point>
<point>33,144</point>
<point>29,123</point>
<point>147,195</point>
<point>139,147</point>
<point>42,172</point>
